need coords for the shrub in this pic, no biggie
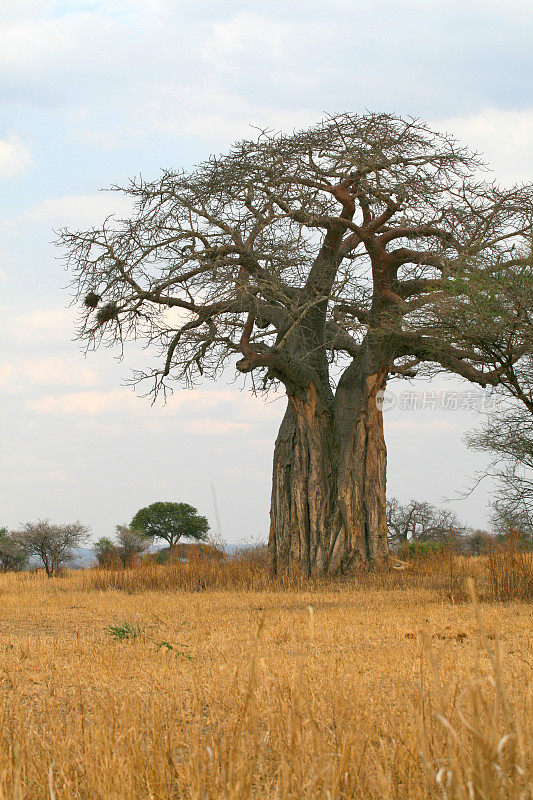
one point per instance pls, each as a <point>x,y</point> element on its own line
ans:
<point>13,557</point>
<point>510,570</point>
<point>106,552</point>
<point>418,550</point>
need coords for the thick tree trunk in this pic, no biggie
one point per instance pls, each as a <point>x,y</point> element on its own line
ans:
<point>328,510</point>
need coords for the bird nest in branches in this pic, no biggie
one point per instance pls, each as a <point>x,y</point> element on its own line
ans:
<point>92,300</point>
<point>107,313</point>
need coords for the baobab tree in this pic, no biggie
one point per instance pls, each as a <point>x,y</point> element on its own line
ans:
<point>319,261</point>
<point>420,521</point>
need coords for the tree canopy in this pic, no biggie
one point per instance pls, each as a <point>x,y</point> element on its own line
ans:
<point>246,245</point>
<point>170,522</point>
<point>13,557</point>
<point>129,547</point>
<point>500,310</point>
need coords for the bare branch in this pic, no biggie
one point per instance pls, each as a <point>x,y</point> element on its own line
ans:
<point>344,235</point>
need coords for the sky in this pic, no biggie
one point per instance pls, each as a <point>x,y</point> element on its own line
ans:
<point>92,93</point>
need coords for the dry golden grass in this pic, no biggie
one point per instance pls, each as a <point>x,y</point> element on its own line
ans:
<point>339,691</point>
<point>506,573</point>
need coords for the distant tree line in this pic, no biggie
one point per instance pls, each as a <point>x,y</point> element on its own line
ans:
<point>414,527</point>
<point>418,526</point>
<point>53,546</point>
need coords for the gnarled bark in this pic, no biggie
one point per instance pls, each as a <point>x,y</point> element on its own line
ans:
<point>328,510</point>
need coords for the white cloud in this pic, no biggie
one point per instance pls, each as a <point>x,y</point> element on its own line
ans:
<point>30,40</point>
<point>40,325</point>
<point>62,57</point>
<point>7,371</point>
<point>38,43</point>
<point>14,157</point>
<point>24,463</point>
<point>114,401</point>
<point>58,371</point>
<point>235,410</point>
<point>51,371</point>
<point>426,426</point>
<point>218,116</point>
<point>248,31</point>
<point>82,211</point>
<point>504,139</point>
<point>84,403</point>
<point>213,427</point>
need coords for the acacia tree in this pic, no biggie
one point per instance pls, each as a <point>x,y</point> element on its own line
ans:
<point>500,305</point>
<point>170,521</point>
<point>317,261</point>
<point>508,438</point>
<point>54,545</point>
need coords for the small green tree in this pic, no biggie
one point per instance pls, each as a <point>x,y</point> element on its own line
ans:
<point>106,552</point>
<point>12,556</point>
<point>170,521</point>
<point>130,546</point>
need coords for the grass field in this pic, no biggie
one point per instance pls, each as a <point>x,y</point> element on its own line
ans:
<point>326,692</point>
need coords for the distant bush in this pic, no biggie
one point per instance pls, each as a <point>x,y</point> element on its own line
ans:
<point>13,557</point>
<point>106,552</point>
<point>126,551</point>
<point>510,569</point>
<point>132,545</point>
<point>518,537</point>
<point>477,543</point>
<point>416,549</point>
<point>161,556</point>
<point>255,554</point>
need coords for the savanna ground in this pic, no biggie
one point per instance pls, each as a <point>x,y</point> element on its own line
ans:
<point>394,686</point>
